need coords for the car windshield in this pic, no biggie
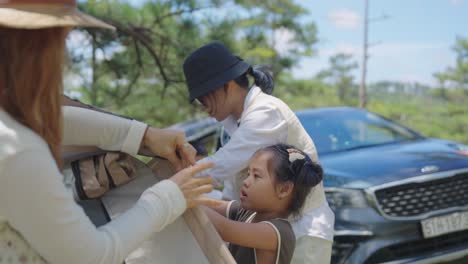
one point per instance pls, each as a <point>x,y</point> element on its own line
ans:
<point>348,130</point>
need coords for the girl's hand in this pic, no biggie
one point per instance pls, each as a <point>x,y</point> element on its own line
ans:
<point>219,206</point>
<point>192,187</point>
<point>171,145</point>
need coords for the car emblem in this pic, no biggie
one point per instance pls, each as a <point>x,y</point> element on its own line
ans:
<point>430,168</point>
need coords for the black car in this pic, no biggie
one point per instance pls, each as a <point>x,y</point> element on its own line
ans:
<point>398,196</point>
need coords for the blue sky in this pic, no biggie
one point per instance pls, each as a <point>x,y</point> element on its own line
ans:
<point>415,41</point>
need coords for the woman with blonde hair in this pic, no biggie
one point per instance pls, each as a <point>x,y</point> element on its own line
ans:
<point>39,220</point>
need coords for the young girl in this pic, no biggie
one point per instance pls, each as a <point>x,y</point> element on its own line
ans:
<point>279,179</point>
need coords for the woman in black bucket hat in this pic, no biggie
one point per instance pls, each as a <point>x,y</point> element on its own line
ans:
<point>253,118</point>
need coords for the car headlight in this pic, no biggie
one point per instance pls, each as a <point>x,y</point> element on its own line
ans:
<point>345,198</point>
<point>462,149</point>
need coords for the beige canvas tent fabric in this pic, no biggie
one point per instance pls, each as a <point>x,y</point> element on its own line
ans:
<point>190,239</point>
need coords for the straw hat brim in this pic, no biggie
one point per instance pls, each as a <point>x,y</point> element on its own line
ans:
<point>41,16</point>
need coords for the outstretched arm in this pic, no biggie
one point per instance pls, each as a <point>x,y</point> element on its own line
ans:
<point>84,127</point>
<point>219,206</point>
<point>253,235</point>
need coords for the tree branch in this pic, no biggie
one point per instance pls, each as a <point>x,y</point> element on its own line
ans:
<point>178,12</point>
<point>146,42</point>
<point>138,54</point>
<point>129,87</point>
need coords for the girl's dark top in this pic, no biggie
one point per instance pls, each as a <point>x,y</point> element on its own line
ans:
<point>284,231</point>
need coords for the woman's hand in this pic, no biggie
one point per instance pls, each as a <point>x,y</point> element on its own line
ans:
<point>193,187</point>
<point>171,145</point>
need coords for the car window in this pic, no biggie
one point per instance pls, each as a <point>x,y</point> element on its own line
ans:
<point>346,130</point>
<point>369,133</point>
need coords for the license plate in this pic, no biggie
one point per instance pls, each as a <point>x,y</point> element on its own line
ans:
<point>440,225</point>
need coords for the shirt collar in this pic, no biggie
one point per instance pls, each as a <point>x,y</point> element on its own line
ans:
<point>253,92</point>
<point>230,123</point>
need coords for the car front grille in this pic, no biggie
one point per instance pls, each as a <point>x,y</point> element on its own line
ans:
<point>418,198</point>
<point>417,248</point>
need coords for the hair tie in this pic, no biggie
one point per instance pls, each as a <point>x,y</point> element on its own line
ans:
<point>294,155</point>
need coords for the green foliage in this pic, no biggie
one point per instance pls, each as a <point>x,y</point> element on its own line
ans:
<point>266,22</point>
<point>318,94</point>
<point>417,106</point>
<point>339,75</point>
<point>430,118</point>
<point>137,70</point>
<point>457,77</point>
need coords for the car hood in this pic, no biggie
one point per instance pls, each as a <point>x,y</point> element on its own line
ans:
<point>366,167</point>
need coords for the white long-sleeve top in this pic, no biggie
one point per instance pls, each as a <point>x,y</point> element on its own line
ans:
<point>35,202</point>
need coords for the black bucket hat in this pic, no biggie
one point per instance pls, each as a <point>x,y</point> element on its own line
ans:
<point>210,67</point>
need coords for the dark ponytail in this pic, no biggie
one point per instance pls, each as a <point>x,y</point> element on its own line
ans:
<point>263,78</point>
<point>304,173</point>
<point>307,173</point>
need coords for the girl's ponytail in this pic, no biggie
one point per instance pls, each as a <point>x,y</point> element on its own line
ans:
<point>307,173</point>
